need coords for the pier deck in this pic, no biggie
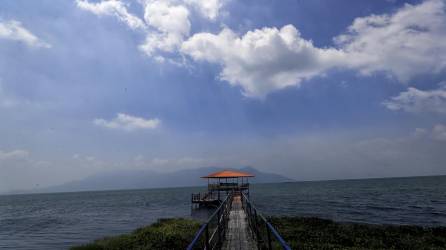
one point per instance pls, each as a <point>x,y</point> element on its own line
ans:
<point>235,224</point>
<point>238,235</point>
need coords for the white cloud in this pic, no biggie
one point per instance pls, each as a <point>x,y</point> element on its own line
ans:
<point>436,133</point>
<point>112,8</point>
<point>407,43</point>
<point>90,162</point>
<point>165,164</point>
<point>439,132</point>
<point>128,123</point>
<point>165,23</point>
<point>167,17</point>
<point>13,30</point>
<point>419,101</point>
<point>13,155</point>
<point>263,60</point>
<point>9,100</point>
<point>419,132</point>
<point>208,8</point>
<point>171,24</point>
<point>404,44</point>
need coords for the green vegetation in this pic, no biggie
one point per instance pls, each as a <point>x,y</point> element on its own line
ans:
<point>165,234</point>
<point>315,233</point>
<point>300,233</point>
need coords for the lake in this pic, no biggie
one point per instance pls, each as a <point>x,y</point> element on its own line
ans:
<point>61,220</point>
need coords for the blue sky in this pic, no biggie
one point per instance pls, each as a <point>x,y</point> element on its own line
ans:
<point>308,89</point>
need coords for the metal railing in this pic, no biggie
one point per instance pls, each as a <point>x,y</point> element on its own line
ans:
<point>228,186</point>
<point>212,233</point>
<point>203,196</point>
<point>265,234</point>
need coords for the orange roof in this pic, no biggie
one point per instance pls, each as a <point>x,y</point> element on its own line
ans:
<point>228,174</point>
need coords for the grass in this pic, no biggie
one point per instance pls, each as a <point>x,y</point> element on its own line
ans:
<point>299,232</point>
<point>315,233</point>
<point>165,234</point>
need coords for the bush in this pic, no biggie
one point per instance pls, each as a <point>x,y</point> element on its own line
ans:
<point>164,234</point>
<point>315,233</point>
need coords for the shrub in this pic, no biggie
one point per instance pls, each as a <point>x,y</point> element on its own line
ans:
<point>164,234</point>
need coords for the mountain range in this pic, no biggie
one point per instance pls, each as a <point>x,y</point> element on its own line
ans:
<point>140,179</point>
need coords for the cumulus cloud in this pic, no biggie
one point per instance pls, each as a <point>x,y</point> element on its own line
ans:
<point>112,8</point>
<point>402,44</point>
<point>14,30</point>
<point>13,155</point>
<point>170,23</point>
<point>208,8</point>
<point>166,23</point>
<point>418,101</point>
<point>406,43</point>
<point>262,60</point>
<point>128,123</point>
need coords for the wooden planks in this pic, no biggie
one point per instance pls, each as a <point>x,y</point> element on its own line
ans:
<point>238,235</point>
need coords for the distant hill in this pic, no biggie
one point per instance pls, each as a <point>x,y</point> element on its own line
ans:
<point>139,179</point>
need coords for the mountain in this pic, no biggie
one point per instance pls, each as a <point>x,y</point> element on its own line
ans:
<point>139,179</point>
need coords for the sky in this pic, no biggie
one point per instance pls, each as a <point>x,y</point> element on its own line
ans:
<point>309,89</point>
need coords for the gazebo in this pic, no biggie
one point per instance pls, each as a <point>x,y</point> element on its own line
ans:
<point>222,182</point>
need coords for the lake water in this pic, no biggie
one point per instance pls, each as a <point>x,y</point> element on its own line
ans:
<point>58,221</point>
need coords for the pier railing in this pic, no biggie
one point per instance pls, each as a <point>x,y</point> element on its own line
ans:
<point>212,233</point>
<point>228,186</point>
<point>265,234</point>
<point>203,196</point>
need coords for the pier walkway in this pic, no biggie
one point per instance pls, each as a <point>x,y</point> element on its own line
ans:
<point>238,235</point>
<point>235,224</point>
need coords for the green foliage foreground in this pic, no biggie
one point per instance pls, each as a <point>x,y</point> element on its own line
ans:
<point>165,234</point>
<point>315,233</point>
<point>300,233</point>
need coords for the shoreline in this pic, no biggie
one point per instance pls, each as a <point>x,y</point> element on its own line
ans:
<point>298,232</point>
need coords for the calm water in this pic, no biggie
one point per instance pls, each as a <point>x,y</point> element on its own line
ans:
<point>57,221</point>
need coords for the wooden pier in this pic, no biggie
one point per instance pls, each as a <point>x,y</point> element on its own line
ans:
<point>220,184</point>
<point>238,235</point>
<point>208,199</point>
<point>235,224</point>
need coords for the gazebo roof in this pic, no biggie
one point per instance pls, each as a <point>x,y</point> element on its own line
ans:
<point>228,174</point>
